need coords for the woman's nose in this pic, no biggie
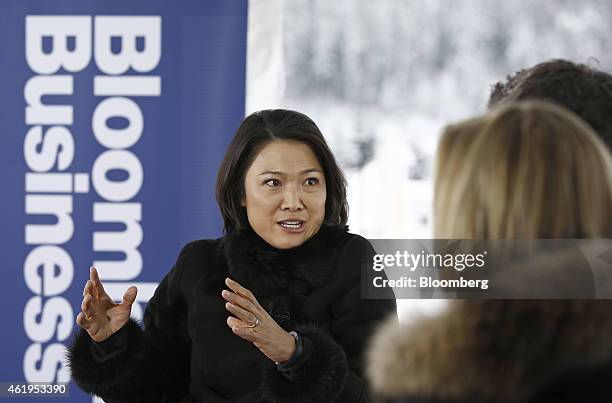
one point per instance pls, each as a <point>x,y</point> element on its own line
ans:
<point>292,200</point>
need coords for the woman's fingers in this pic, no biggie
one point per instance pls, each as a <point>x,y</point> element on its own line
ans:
<point>93,274</point>
<point>129,296</point>
<point>240,329</point>
<point>242,303</point>
<point>87,288</point>
<point>240,313</point>
<point>82,321</point>
<point>97,284</point>
<point>239,300</point>
<point>90,288</point>
<point>242,291</point>
<point>85,306</point>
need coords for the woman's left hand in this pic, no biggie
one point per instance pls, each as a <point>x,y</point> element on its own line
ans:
<point>271,339</point>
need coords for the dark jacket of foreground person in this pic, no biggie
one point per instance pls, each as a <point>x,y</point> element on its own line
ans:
<point>187,353</point>
<point>498,351</point>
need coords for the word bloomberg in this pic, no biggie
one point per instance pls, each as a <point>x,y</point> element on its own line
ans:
<point>49,150</point>
<point>429,282</point>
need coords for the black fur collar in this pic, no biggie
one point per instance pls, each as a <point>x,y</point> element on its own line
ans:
<point>266,270</point>
<point>280,279</point>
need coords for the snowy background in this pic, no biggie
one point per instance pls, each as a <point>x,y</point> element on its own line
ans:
<point>382,78</point>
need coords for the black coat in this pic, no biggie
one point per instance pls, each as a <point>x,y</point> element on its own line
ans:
<point>187,353</point>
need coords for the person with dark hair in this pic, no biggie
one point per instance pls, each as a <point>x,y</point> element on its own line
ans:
<point>270,312</point>
<point>582,89</point>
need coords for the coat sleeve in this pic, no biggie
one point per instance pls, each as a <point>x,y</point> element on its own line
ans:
<point>136,365</point>
<point>332,366</point>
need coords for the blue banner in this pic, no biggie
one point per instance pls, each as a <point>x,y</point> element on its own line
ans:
<point>115,116</point>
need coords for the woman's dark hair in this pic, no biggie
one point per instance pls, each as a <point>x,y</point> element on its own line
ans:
<point>582,89</point>
<point>257,130</point>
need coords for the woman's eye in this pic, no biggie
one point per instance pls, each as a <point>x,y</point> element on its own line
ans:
<point>272,182</point>
<point>311,181</point>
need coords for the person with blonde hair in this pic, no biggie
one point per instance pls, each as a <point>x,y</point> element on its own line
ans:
<point>528,170</point>
<point>531,169</point>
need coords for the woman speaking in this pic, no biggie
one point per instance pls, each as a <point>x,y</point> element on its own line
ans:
<point>270,312</point>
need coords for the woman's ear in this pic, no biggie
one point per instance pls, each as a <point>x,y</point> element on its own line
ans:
<point>243,202</point>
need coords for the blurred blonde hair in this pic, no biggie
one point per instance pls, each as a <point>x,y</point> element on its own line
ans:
<point>524,170</point>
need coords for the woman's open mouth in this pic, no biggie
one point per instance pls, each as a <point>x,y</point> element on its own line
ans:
<point>292,226</point>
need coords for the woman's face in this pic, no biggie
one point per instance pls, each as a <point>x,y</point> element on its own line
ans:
<point>285,194</point>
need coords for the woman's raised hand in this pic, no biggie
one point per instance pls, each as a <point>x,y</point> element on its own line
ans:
<point>253,323</point>
<point>100,316</point>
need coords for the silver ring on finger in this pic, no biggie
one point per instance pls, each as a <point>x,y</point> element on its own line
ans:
<point>254,324</point>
